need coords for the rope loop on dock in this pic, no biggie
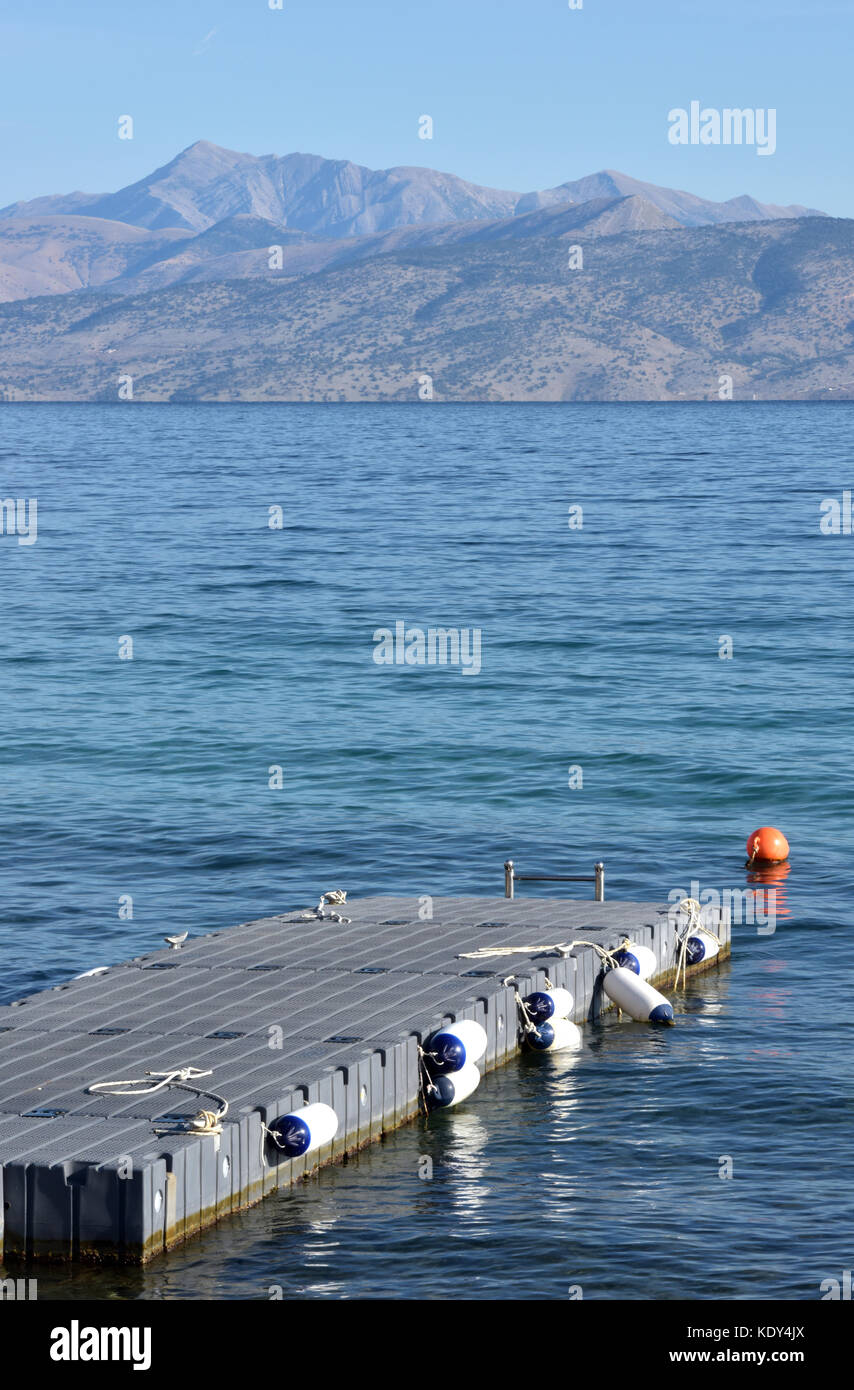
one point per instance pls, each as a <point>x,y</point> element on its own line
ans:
<point>182,1078</point>
<point>484,952</point>
<point>167,1078</point>
<point>562,948</point>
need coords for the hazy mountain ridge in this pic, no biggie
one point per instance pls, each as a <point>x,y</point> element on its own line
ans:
<point>334,197</point>
<point>292,201</point>
<point>60,254</point>
<point>305,255</point>
<point>685,208</point>
<point>654,315</point>
<point>310,279</point>
<point>56,255</point>
<point>329,197</point>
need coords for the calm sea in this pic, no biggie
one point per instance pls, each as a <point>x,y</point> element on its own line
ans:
<point>602,651</point>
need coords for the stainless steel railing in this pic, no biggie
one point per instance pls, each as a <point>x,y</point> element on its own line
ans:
<point>511,878</point>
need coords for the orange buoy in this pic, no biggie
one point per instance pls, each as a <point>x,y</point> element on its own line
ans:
<point>767,846</point>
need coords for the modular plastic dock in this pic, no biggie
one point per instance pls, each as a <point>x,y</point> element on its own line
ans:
<point>283,1011</point>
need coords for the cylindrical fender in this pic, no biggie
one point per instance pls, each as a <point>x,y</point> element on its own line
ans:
<point>449,1090</point>
<point>636,997</point>
<point>639,959</point>
<point>700,947</point>
<point>545,1004</point>
<point>302,1131</point>
<point>553,1035</point>
<point>454,1045</point>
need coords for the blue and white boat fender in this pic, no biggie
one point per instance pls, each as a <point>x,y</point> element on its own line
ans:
<point>553,1035</point>
<point>454,1046</point>
<point>640,959</point>
<point>546,1004</point>
<point>700,946</point>
<point>453,1087</point>
<point>636,997</point>
<point>302,1131</point>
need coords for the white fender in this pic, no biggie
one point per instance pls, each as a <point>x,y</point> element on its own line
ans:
<point>636,997</point>
<point>701,947</point>
<point>631,955</point>
<point>302,1131</point>
<point>455,1046</point>
<point>471,1035</point>
<point>554,1035</point>
<point>457,1086</point>
<point>546,1004</point>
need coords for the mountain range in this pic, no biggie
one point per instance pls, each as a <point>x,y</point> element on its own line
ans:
<point>213,213</point>
<point>334,197</point>
<point>605,288</point>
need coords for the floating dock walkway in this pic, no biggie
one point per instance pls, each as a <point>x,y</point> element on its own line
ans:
<point>283,1011</point>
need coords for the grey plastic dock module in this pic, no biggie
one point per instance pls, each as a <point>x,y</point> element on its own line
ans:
<point>282,1011</point>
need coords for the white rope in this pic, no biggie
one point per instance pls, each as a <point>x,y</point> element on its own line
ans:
<point>271,1134</point>
<point>205,1122</point>
<point>484,952</point>
<point>426,1084</point>
<point>168,1078</point>
<point>528,1024</point>
<point>563,948</point>
<point>695,924</point>
<point>335,896</point>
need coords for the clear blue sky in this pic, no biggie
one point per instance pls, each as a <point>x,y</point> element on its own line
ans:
<point>524,93</point>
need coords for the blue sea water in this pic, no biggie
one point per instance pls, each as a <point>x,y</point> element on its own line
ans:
<point>253,648</point>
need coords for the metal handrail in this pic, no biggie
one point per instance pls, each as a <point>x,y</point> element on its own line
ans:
<point>511,878</point>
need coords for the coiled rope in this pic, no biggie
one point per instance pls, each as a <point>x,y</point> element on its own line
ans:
<point>182,1078</point>
<point>336,896</point>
